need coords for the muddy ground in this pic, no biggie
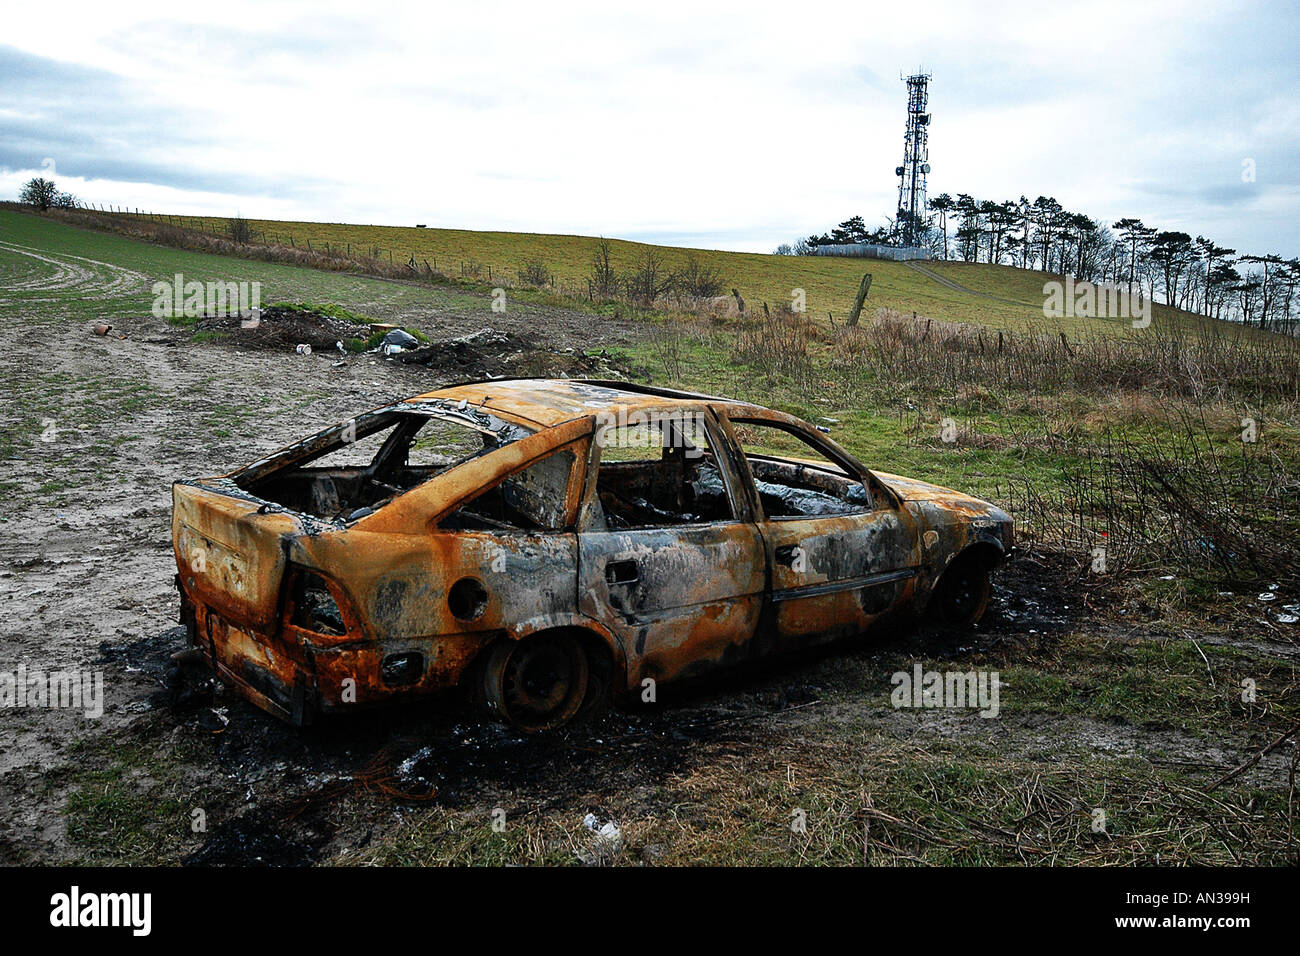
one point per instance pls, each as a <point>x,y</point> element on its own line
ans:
<point>86,581</point>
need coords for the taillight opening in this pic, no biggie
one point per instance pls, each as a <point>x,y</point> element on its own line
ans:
<point>317,605</point>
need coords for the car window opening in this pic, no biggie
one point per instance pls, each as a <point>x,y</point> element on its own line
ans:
<point>533,499</point>
<point>660,473</point>
<point>791,487</point>
<point>357,467</point>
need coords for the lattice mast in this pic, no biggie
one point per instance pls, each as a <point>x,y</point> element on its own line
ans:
<point>916,162</point>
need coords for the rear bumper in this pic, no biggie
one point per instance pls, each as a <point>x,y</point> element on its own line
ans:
<point>297,681</point>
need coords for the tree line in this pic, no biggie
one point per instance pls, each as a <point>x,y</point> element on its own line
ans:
<point>1191,273</point>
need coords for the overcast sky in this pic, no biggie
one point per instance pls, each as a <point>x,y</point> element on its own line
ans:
<point>733,126</point>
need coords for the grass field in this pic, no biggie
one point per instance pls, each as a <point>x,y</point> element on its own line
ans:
<point>117,277</point>
<point>1123,689</point>
<point>830,284</point>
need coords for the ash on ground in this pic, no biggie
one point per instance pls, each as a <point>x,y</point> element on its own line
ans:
<point>279,329</point>
<point>492,353</point>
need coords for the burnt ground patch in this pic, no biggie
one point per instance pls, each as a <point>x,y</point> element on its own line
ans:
<point>486,353</point>
<point>495,353</point>
<point>281,329</point>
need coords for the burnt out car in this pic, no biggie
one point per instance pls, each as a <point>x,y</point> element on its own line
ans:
<point>550,543</point>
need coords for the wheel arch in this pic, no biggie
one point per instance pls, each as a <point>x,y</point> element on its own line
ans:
<point>598,643</point>
<point>984,553</point>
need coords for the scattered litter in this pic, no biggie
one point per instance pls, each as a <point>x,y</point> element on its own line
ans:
<point>1268,596</point>
<point>103,328</point>
<point>302,348</point>
<point>607,842</point>
<point>1167,577</point>
<point>406,770</point>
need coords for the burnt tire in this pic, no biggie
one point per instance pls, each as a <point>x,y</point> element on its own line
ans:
<point>536,684</point>
<point>962,595</point>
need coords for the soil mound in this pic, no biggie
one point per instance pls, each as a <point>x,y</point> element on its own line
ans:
<point>281,330</point>
<point>492,353</point>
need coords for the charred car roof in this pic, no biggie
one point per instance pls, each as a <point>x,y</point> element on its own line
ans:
<point>550,402</point>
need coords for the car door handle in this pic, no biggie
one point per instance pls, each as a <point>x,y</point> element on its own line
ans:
<point>621,572</point>
<point>785,554</point>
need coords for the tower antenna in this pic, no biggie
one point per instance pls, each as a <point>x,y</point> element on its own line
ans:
<point>910,223</point>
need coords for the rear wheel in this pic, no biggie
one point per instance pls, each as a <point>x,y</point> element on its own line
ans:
<point>538,683</point>
<point>962,594</point>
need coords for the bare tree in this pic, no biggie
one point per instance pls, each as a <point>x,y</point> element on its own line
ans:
<point>602,278</point>
<point>649,281</point>
<point>696,280</point>
<point>239,230</point>
<point>40,192</point>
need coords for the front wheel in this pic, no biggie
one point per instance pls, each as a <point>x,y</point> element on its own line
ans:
<point>962,594</point>
<point>538,683</point>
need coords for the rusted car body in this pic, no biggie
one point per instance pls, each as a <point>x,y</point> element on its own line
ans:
<point>550,543</point>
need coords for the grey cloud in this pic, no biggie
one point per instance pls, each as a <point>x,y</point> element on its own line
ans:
<point>98,125</point>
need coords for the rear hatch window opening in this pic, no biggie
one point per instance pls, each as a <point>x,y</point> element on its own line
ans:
<point>354,468</point>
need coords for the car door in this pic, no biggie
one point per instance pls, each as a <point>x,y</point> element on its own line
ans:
<point>841,551</point>
<point>668,560</point>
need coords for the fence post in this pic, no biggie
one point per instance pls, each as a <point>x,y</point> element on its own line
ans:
<point>863,289</point>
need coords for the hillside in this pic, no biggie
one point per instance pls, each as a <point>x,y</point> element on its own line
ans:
<point>999,297</point>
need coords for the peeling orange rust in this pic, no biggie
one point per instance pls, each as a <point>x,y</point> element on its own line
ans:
<point>493,538</point>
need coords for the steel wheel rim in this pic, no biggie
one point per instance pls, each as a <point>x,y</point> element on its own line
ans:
<point>543,682</point>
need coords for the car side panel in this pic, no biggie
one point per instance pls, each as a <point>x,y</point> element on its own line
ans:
<point>834,576</point>
<point>681,600</point>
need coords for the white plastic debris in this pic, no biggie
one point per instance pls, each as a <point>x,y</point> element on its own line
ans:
<point>1268,596</point>
<point>401,338</point>
<point>302,348</point>
<point>606,845</point>
<point>611,832</point>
